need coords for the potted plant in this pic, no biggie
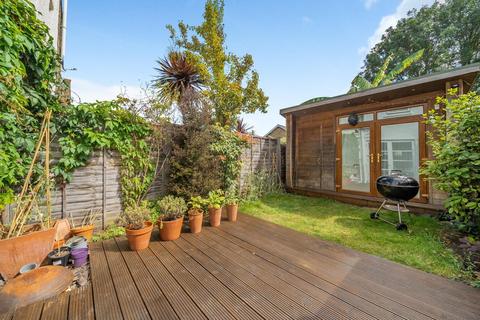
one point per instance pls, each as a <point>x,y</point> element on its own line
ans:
<point>85,229</point>
<point>195,213</point>
<point>215,201</point>
<point>60,256</point>
<point>170,217</point>
<point>231,202</point>
<point>138,227</point>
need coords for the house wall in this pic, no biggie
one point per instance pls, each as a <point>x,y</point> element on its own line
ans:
<point>50,12</point>
<point>312,154</point>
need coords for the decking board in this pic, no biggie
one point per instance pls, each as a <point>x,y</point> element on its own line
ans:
<point>374,290</point>
<point>129,298</point>
<point>371,265</point>
<point>380,287</point>
<point>203,299</point>
<point>155,301</point>
<point>252,269</point>
<point>105,298</point>
<point>317,301</point>
<point>81,304</point>
<point>239,309</point>
<point>181,302</point>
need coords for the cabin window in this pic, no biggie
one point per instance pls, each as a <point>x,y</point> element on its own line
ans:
<point>398,113</point>
<point>361,118</point>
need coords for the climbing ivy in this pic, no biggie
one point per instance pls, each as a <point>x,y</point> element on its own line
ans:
<point>229,147</point>
<point>29,75</point>
<point>90,126</point>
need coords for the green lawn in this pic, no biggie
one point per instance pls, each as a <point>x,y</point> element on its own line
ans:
<point>351,226</point>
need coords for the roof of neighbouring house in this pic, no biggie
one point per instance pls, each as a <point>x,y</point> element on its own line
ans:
<point>278,126</point>
<point>431,82</point>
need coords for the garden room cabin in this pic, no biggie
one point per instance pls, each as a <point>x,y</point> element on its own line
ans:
<point>328,155</point>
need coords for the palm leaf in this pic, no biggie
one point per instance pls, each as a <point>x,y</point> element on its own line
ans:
<point>177,76</point>
<point>382,72</point>
<point>407,62</point>
<point>359,83</point>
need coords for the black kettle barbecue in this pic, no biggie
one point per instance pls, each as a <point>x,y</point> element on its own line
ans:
<point>396,188</point>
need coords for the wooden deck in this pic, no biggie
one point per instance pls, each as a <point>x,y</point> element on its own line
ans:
<point>253,270</point>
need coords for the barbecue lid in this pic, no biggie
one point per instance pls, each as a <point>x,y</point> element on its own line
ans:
<point>398,180</point>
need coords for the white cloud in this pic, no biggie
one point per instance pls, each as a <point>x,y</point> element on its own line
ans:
<point>392,19</point>
<point>88,91</point>
<point>307,20</point>
<point>369,3</point>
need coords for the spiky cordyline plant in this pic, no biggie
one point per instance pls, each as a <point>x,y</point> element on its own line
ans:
<point>177,77</point>
<point>242,126</point>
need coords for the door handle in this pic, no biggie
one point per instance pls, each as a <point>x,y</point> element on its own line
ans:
<point>378,157</point>
<point>371,157</point>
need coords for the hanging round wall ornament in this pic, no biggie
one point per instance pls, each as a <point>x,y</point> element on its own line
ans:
<point>353,119</point>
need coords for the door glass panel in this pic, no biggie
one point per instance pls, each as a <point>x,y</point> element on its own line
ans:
<point>355,159</point>
<point>400,152</point>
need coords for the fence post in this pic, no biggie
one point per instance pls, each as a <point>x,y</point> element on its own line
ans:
<point>269,153</point>
<point>64,199</point>
<point>279,160</point>
<point>104,190</point>
<point>251,155</point>
<point>6,214</point>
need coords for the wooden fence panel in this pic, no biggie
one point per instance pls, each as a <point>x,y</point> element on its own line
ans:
<point>96,186</point>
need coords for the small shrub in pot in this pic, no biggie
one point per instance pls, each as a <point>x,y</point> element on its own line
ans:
<point>169,216</point>
<point>138,227</point>
<point>85,229</point>
<point>215,202</point>
<point>195,213</point>
<point>231,202</point>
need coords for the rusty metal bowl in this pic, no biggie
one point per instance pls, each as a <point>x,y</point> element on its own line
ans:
<point>33,286</point>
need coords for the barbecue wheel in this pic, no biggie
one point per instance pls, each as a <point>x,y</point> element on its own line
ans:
<point>373,215</point>
<point>401,226</point>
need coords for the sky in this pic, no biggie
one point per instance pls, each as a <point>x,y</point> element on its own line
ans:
<point>302,49</point>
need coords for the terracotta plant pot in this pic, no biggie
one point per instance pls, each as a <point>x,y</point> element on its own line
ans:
<point>232,212</point>
<point>139,239</point>
<point>63,230</point>
<point>58,243</point>
<point>30,248</point>
<point>85,231</point>
<point>170,230</point>
<point>215,216</point>
<point>195,220</point>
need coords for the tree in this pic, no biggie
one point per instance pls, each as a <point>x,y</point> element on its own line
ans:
<point>448,31</point>
<point>231,83</point>
<point>194,168</point>
<point>383,77</point>
<point>455,169</point>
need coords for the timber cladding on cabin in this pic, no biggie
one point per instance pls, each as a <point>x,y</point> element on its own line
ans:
<point>329,156</point>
